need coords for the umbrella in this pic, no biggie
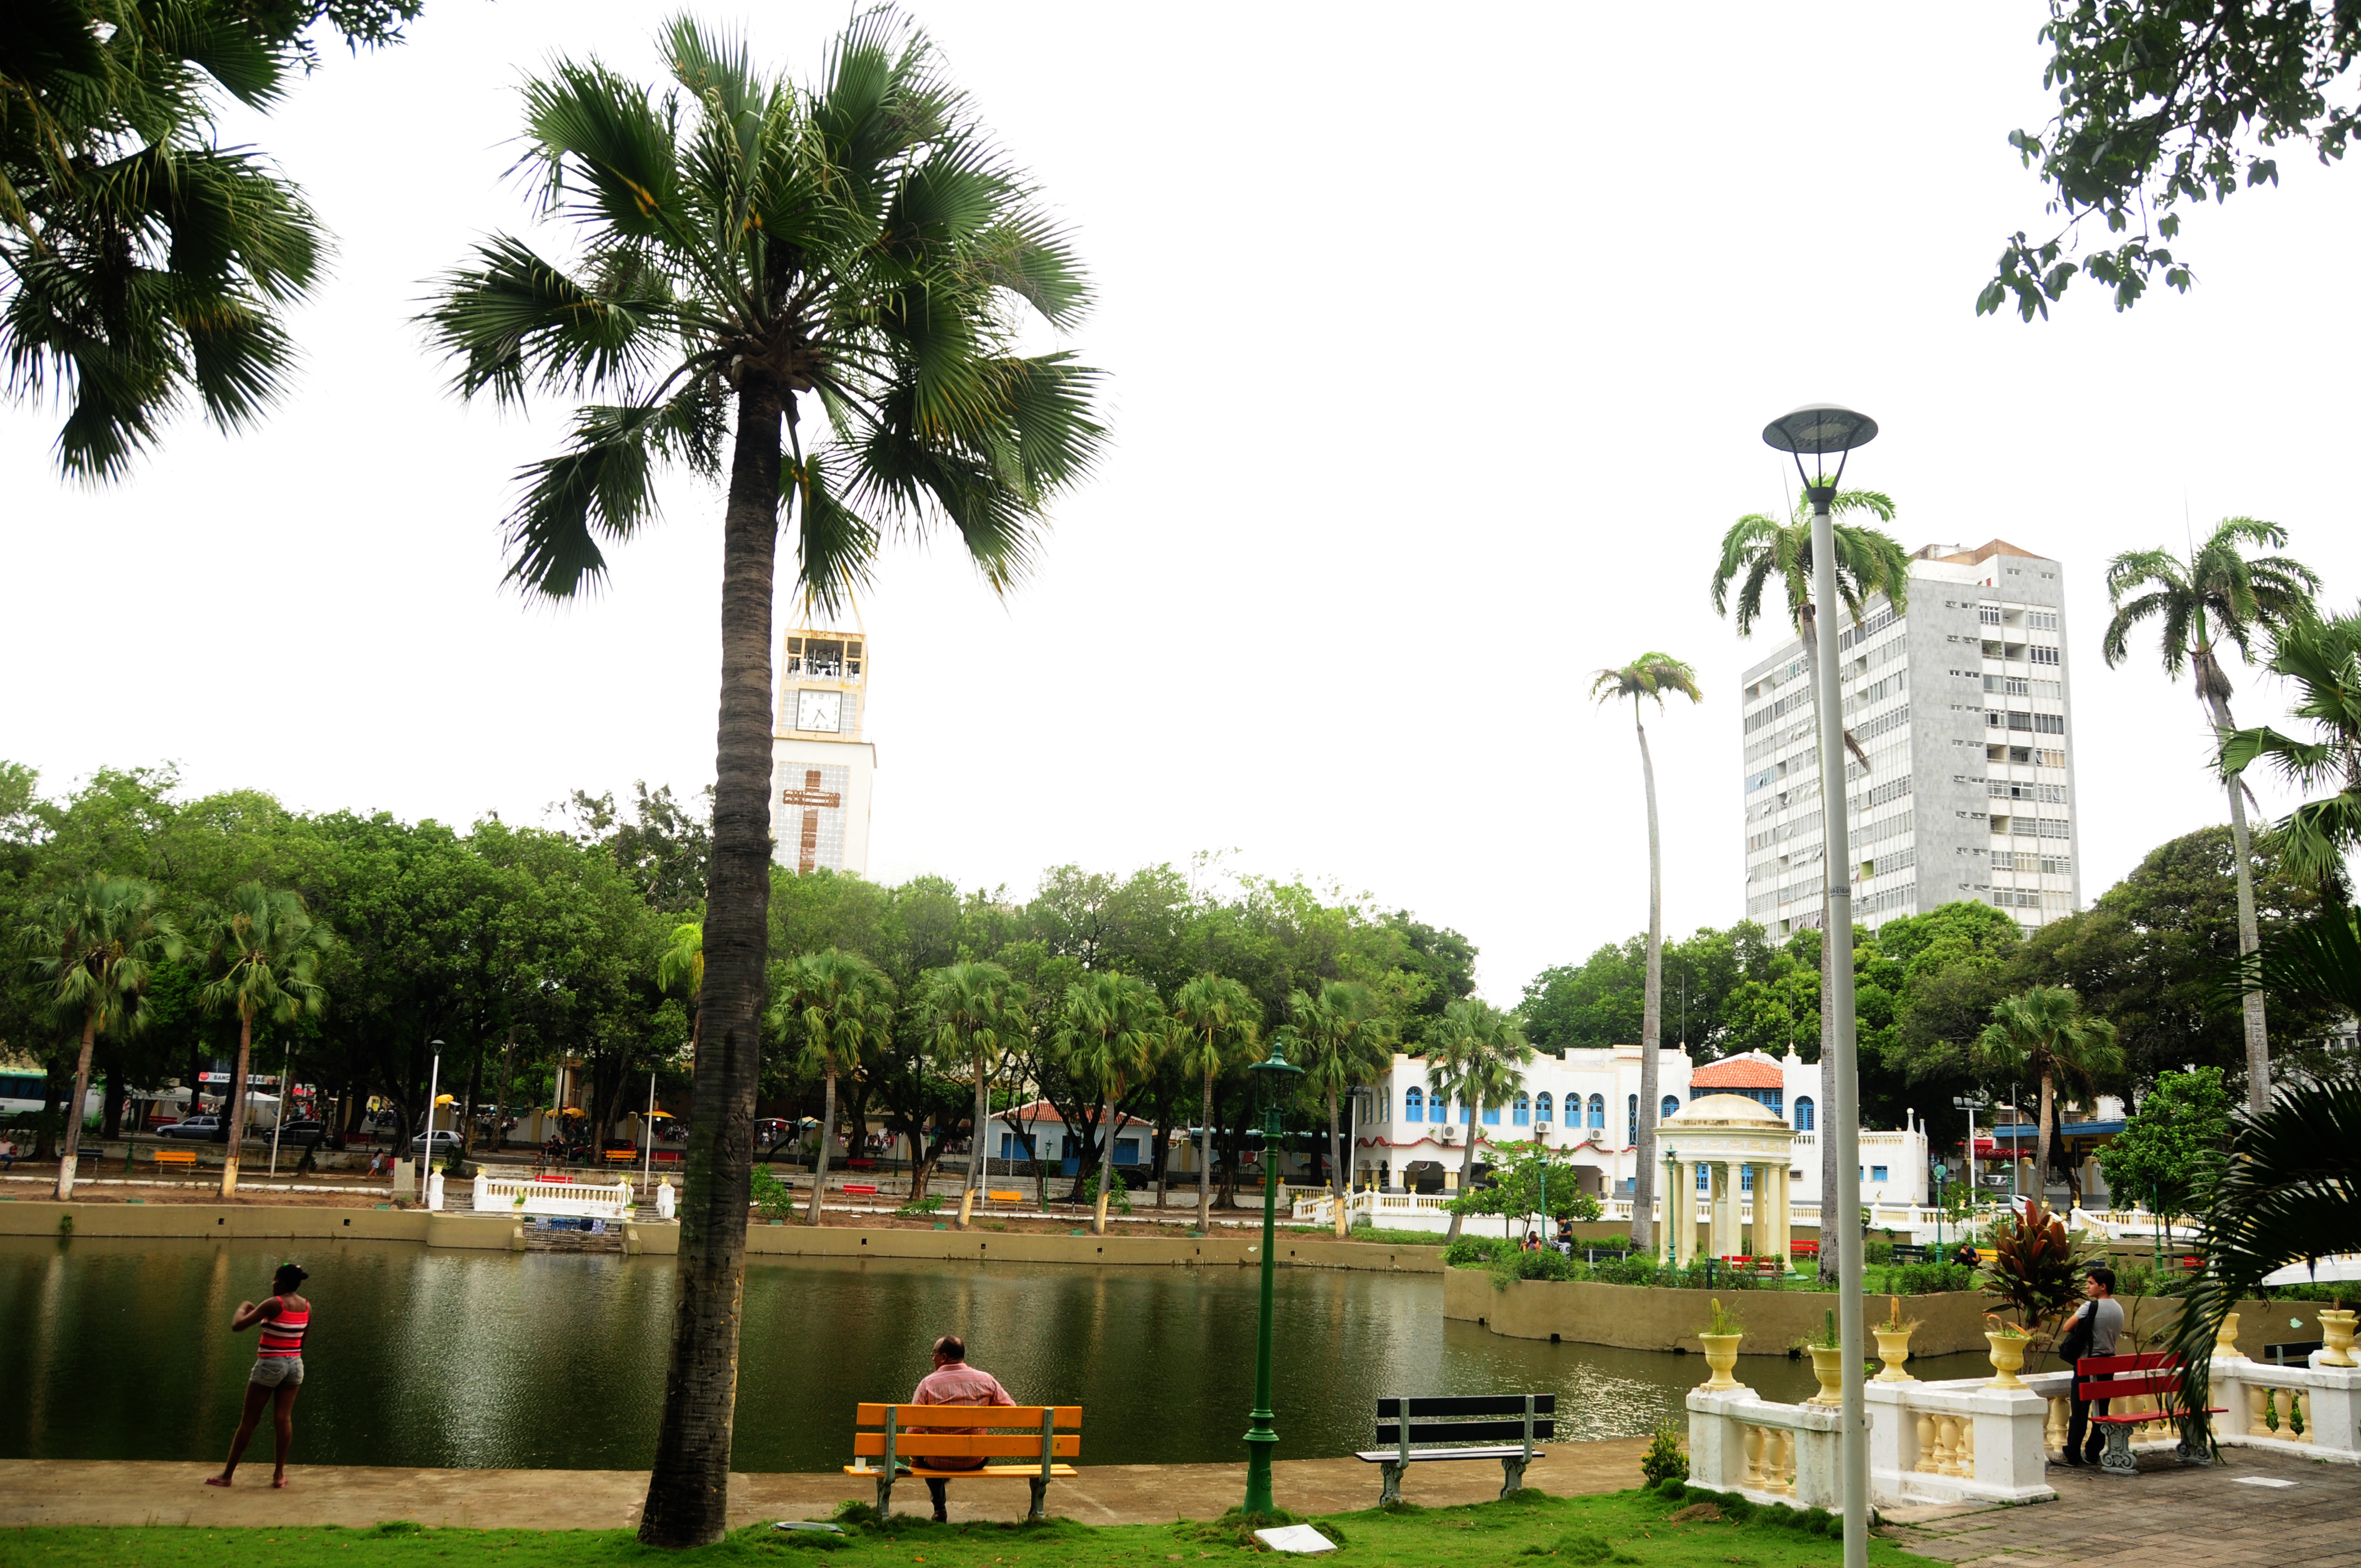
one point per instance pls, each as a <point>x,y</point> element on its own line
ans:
<point>570,1111</point>
<point>2342,1266</point>
<point>659,1115</point>
<point>446,1100</point>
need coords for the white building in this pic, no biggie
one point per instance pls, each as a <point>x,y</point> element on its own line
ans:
<point>821,767</point>
<point>1588,1101</point>
<point>1962,705</point>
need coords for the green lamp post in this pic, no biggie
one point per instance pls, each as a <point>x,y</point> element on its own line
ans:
<point>1672,1236</point>
<point>1274,1080</point>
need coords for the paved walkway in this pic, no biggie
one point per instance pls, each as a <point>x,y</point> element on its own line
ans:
<point>97,1492</point>
<point>2252,1510</point>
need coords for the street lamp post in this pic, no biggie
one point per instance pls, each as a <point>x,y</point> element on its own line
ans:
<point>1672,1236</point>
<point>1819,430</point>
<point>1274,1079</point>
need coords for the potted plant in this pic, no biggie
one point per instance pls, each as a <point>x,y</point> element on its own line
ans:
<point>2008,1341</point>
<point>1828,1364</point>
<point>1720,1337</point>
<point>1893,1343</point>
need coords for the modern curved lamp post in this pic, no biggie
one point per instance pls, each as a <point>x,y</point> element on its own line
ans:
<point>1274,1079</point>
<point>1819,430</point>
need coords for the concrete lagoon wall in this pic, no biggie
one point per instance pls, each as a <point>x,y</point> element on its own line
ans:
<point>1638,1317</point>
<point>495,1232</point>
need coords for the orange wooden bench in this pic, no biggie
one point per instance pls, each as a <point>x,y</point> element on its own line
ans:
<point>2156,1373</point>
<point>174,1157</point>
<point>909,1435</point>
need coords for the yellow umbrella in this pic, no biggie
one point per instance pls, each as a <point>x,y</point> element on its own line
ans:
<point>570,1111</point>
<point>446,1100</point>
<point>659,1115</point>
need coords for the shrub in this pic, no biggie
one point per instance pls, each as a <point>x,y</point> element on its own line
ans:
<point>1470,1249</point>
<point>1928,1278</point>
<point>772,1197</point>
<point>1664,1460</point>
<point>924,1203</point>
<point>1118,1195</point>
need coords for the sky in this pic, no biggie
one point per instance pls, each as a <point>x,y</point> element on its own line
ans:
<point>1438,349</point>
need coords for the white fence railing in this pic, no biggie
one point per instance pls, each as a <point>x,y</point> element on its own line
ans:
<point>1771,1453</point>
<point>581,1200</point>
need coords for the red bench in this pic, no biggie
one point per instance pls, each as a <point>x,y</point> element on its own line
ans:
<point>860,1190</point>
<point>2115,1378</point>
<point>1803,1249</point>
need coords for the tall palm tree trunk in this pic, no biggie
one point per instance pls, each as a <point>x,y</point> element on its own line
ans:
<point>1335,1165</point>
<point>1205,1161</point>
<point>234,1111</point>
<point>1467,1168</point>
<point>826,1147</point>
<point>1652,1016</point>
<point>1105,1172</point>
<point>975,1147</point>
<point>72,1148</point>
<point>688,1501</point>
<point>2259,1041</point>
<point>2041,1140</point>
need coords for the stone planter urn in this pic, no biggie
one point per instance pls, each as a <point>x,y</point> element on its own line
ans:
<point>1721,1355</point>
<point>2337,1329</point>
<point>1827,1365</point>
<point>2225,1343</point>
<point>2007,1359</point>
<point>1894,1349</point>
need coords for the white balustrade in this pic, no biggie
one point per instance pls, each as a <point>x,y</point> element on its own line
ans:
<point>2312,1410</point>
<point>1769,1453</point>
<point>580,1200</point>
<point>1955,1441</point>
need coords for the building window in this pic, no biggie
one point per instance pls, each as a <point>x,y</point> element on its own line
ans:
<point>1877,1173</point>
<point>1414,1105</point>
<point>1492,1115</point>
<point>1705,1178</point>
<point>1672,1104</point>
<point>1466,1113</point>
<point>1598,1113</point>
<point>1746,1178</point>
<point>1803,1122</point>
<point>1127,1151</point>
<point>1524,1110</point>
<point>1542,1108</point>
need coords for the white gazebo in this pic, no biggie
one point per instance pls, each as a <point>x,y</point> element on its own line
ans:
<point>1725,1134</point>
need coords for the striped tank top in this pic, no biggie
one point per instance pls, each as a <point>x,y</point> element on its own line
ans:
<point>283,1335</point>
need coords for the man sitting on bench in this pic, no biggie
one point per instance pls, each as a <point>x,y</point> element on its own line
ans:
<point>954,1382</point>
<point>2098,1338</point>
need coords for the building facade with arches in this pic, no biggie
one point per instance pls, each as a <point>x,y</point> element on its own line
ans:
<point>1587,1102</point>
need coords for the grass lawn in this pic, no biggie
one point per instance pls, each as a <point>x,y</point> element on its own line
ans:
<point>1637,1527</point>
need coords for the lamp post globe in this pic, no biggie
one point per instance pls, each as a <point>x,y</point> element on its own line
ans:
<point>1274,1078</point>
<point>1819,430</point>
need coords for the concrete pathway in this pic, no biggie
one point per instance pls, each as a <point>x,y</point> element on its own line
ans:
<point>2255,1508</point>
<point>98,1492</point>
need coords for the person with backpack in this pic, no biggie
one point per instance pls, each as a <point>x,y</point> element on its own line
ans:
<point>2094,1329</point>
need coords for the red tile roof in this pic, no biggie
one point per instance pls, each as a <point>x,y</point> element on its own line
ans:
<point>1738,1073</point>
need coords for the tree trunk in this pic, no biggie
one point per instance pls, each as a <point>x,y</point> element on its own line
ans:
<point>1652,1016</point>
<point>688,1501</point>
<point>110,1111</point>
<point>1205,1161</point>
<point>467,1110</point>
<point>1336,1168</point>
<point>234,1108</point>
<point>827,1147</point>
<point>975,1144</point>
<point>45,1137</point>
<point>2041,1141</point>
<point>2258,1040</point>
<point>72,1147</point>
<point>1467,1168</point>
<point>1105,1172</point>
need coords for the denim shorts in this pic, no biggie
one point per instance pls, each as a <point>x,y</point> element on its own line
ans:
<point>277,1372</point>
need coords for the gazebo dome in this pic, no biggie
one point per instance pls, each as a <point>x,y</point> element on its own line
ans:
<point>1734,1111</point>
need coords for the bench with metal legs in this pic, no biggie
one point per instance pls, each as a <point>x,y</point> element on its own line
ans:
<point>1475,1421</point>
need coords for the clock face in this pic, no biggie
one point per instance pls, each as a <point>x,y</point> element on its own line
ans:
<point>819,710</point>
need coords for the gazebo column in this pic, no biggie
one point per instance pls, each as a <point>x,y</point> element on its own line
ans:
<point>1775,1239</point>
<point>1680,1211</point>
<point>1724,1209</point>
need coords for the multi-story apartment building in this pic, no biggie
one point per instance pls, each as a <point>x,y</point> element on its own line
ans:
<point>1960,703</point>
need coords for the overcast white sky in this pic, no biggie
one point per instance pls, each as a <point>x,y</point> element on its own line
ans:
<point>1439,352</point>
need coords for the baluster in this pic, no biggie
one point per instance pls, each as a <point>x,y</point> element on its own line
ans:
<point>2256,1398</point>
<point>2271,1411</point>
<point>1967,1445</point>
<point>1754,1436</point>
<point>1947,1445</point>
<point>2299,1412</point>
<point>1926,1425</point>
<point>2053,1434</point>
<point>1784,1472</point>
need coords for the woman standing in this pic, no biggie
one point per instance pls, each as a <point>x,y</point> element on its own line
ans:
<point>278,1368</point>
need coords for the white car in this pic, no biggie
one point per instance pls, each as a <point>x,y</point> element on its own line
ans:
<point>446,1141</point>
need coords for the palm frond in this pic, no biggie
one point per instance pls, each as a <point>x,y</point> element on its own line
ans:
<point>515,320</point>
<point>836,547</point>
<point>599,488</point>
<point>592,128</point>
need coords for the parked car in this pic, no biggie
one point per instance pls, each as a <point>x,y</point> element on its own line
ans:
<point>446,1141</point>
<point>206,1128</point>
<point>300,1132</point>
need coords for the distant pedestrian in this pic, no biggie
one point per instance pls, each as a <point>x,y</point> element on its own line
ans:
<point>8,1154</point>
<point>954,1382</point>
<point>2092,1331</point>
<point>1968,1257</point>
<point>277,1372</point>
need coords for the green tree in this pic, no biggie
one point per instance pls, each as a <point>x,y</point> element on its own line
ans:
<point>2043,1035</point>
<point>2218,595</point>
<point>973,1011</point>
<point>1222,1020</point>
<point>1531,1178</point>
<point>2183,1122</point>
<point>2164,103</point>
<point>1107,1041</point>
<point>1475,1055</point>
<point>1648,678</point>
<point>744,244</point>
<point>837,1004</point>
<point>96,946</point>
<point>1347,1041</point>
<point>262,952</point>
<point>2322,657</point>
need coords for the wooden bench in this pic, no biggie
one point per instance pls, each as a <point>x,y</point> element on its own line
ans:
<point>1909,1252</point>
<point>1041,1436</point>
<point>1004,1197</point>
<point>668,1157</point>
<point>174,1157</point>
<point>860,1190</point>
<point>1747,1263</point>
<point>621,1157</point>
<point>1461,1418</point>
<point>2156,1374</point>
<point>1797,1248</point>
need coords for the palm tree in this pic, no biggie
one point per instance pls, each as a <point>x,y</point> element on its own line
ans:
<point>1648,676</point>
<point>262,951</point>
<point>1108,1041</point>
<point>745,243</point>
<point>1474,1055</point>
<point>142,264</point>
<point>969,1007</point>
<point>2214,597</point>
<point>2322,658</point>
<point>2043,1035</point>
<point>1222,1017</point>
<point>96,943</point>
<point>1347,1041</point>
<point>840,1002</point>
<point>1757,552</point>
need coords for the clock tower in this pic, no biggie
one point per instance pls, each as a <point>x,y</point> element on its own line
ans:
<point>821,767</point>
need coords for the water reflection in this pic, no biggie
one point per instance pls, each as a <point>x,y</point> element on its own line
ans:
<point>119,1349</point>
